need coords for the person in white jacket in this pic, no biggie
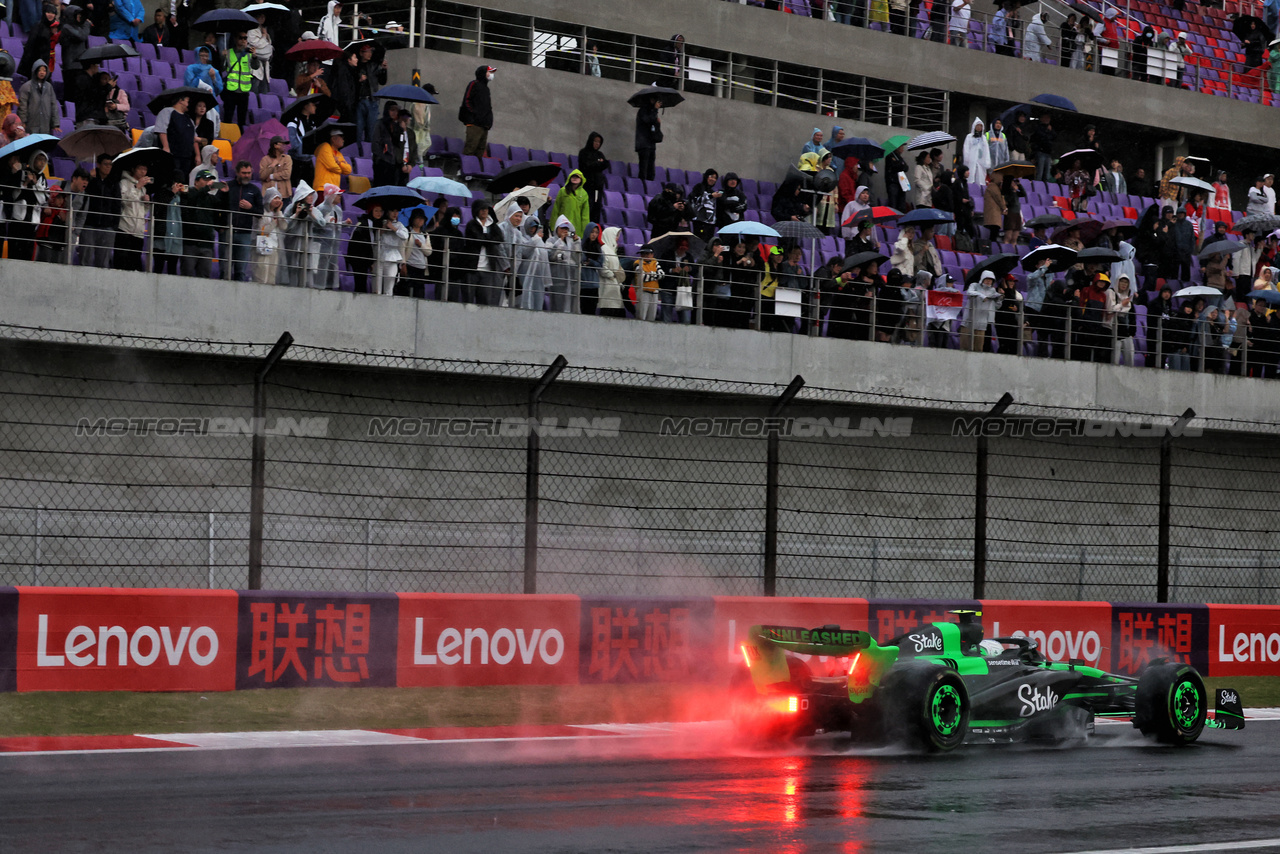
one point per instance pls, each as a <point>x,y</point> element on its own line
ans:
<point>563,252</point>
<point>979,311</point>
<point>977,153</point>
<point>611,275</point>
<point>1035,39</point>
<point>329,25</point>
<point>393,237</point>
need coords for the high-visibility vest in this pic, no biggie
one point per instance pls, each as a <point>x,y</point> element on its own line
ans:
<point>239,75</point>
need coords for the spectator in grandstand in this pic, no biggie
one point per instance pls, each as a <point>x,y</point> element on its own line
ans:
<point>340,79</point>
<point>1139,52</point>
<point>203,71</point>
<point>676,61</point>
<point>863,239</point>
<point>1007,317</point>
<point>899,17</point>
<point>611,275</point>
<point>481,258</point>
<point>787,203</point>
<point>896,182</point>
<point>266,246</point>
<point>210,158</point>
<point>1217,332</point>
<point>994,207</point>
<point>331,23</point>
<point>1092,332</point>
<point>239,80</point>
<point>849,215</point>
<point>979,312</point>
<point>589,272</point>
<point>25,194</point>
<point>922,181</point>
<point>1113,179</point>
<point>311,79</point>
<point>997,145</point>
<point>41,39</point>
<point>1139,185</point>
<point>1179,47</point>
<point>1042,142</point>
<point>117,104</point>
<point>562,253</point>
<point>535,265</point>
<point>648,135</point>
<point>126,19</point>
<point>1257,203</point>
<point>814,144</point>
<point>667,211</point>
<point>1179,337</point>
<point>958,29</point>
<point>360,248</point>
<point>1019,134</point>
<point>1221,199</point>
<point>1066,40</point>
<point>392,238</point>
<point>88,92</point>
<point>1268,189</point>
<point>593,164</point>
<point>370,76</point>
<point>977,152</point>
<point>160,32</point>
<point>133,219</point>
<point>73,39</point>
<point>676,294</point>
<point>1183,244</point>
<point>1120,319</point>
<point>1255,45</point>
<point>837,137</point>
<point>98,239</point>
<point>394,148</point>
<point>1077,181</point>
<point>259,42</point>
<point>331,166</point>
<point>1263,340</point>
<point>573,203</point>
<point>1001,32</point>
<point>1035,40</point>
<point>245,203</point>
<point>203,213</point>
<point>275,169</point>
<point>418,249</point>
<point>476,113</point>
<point>38,107</point>
<point>732,204</point>
<point>914,251</point>
<point>166,226</point>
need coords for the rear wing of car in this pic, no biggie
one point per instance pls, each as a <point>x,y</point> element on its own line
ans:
<point>766,648</point>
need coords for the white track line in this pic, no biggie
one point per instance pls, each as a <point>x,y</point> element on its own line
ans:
<point>1245,845</point>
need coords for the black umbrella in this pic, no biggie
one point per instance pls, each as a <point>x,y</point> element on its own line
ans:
<point>1090,159</point>
<point>324,131</point>
<point>108,51</point>
<point>1082,8</point>
<point>1124,228</point>
<point>169,97</point>
<point>225,21</point>
<point>1243,23</point>
<point>669,97</point>
<point>379,49</point>
<point>859,147</point>
<point>1046,221</point>
<point>1220,247</point>
<point>406,93</point>
<point>999,265</point>
<point>661,245</point>
<point>1061,256</point>
<point>1098,255</point>
<point>797,230</point>
<point>533,173</point>
<point>158,162</point>
<point>391,198</point>
<point>1087,229</point>
<point>324,108</point>
<point>863,258</point>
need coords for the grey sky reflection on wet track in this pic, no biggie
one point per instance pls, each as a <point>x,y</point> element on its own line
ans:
<point>650,794</point>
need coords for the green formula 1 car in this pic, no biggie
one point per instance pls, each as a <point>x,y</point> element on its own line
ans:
<point>943,685</point>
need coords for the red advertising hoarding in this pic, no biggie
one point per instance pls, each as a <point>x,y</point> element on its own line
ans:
<point>1064,631</point>
<point>457,639</point>
<point>102,639</point>
<point>1244,640</point>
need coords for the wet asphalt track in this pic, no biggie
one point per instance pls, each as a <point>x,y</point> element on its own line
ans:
<point>649,794</point>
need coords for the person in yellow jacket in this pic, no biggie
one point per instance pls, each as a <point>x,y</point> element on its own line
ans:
<point>331,166</point>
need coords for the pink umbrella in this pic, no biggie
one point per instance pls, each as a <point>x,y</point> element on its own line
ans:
<point>255,142</point>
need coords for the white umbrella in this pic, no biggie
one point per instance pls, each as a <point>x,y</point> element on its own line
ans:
<point>1193,182</point>
<point>537,197</point>
<point>929,140</point>
<point>1199,291</point>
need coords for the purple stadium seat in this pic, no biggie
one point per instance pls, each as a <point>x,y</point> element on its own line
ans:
<point>617,183</point>
<point>169,54</point>
<point>471,166</point>
<point>498,150</point>
<point>538,154</point>
<point>613,199</point>
<point>518,154</point>
<point>634,202</point>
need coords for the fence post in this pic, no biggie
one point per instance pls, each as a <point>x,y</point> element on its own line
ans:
<point>531,476</point>
<point>771,488</point>
<point>980,503</point>
<point>258,467</point>
<point>37,546</point>
<point>1166,490</point>
<point>443,296</point>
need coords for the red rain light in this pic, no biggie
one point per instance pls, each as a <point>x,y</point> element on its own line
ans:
<point>854,666</point>
<point>793,704</point>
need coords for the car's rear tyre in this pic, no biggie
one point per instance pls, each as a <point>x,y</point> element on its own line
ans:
<point>1171,703</point>
<point>926,707</point>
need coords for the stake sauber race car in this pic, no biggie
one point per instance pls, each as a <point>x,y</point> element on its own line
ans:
<point>943,685</point>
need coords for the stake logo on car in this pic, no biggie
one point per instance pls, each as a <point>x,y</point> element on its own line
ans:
<point>1033,701</point>
<point>923,642</point>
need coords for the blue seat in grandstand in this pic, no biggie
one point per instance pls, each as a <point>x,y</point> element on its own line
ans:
<point>538,154</point>
<point>563,159</point>
<point>634,201</point>
<point>614,199</point>
<point>498,150</point>
<point>615,182</point>
<point>518,154</point>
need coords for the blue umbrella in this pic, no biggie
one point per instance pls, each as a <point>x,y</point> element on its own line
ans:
<point>925,216</point>
<point>1269,296</point>
<point>407,93</point>
<point>441,186</point>
<point>1056,101</point>
<point>405,213</point>
<point>859,147</point>
<point>748,227</point>
<point>36,141</point>
<point>390,197</point>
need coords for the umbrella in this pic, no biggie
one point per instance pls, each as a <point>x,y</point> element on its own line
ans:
<point>87,143</point>
<point>1088,230</point>
<point>1243,23</point>
<point>321,134</point>
<point>669,97</point>
<point>379,49</point>
<point>859,147</point>
<point>1010,115</point>
<point>440,186</point>
<point>660,245</point>
<point>30,144</point>
<point>1000,265</point>
<point>391,198</point>
<point>759,229</point>
<point>1193,183</point>
<point>255,142</point>
<point>876,214</point>
<point>169,97</point>
<point>313,49</point>
<point>535,172</point>
<point>407,93</point>
<point>1090,159</point>
<point>159,162</point>
<point>1220,247</point>
<point>1122,227</point>
<point>1046,221</point>
<point>1016,169</point>
<point>863,258</point>
<point>108,51</point>
<point>224,21</point>
<point>405,213</point>
<point>893,143</point>
<point>925,216</point>
<point>1270,296</point>
<point>1062,257</point>
<point>1098,255</point>
<point>1057,102</point>
<point>324,108</point>
<point>1193,159</point>
<point>795,230</point>
<point>537,197</point>
<point>1258,224</point>
<point>930,139</point>
<point>1085,9</point>
<point>274,11</point>
<point>1198,291</point>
